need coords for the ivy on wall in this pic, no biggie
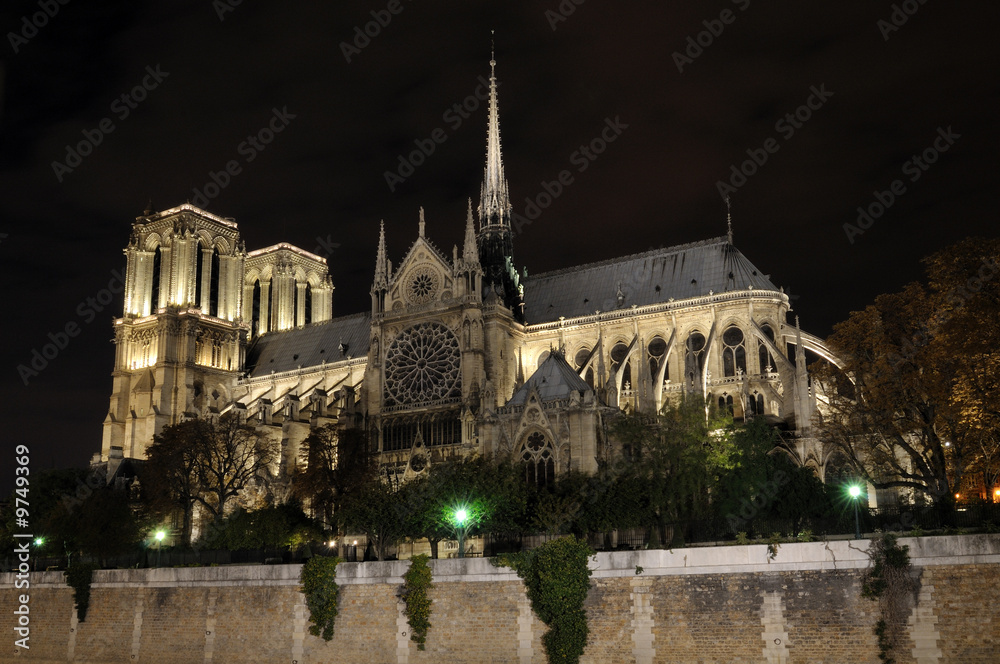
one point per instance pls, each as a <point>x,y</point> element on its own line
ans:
<point>557,578</point>
<point>319,585</point>
<point>887,581</point>
<point>78,577</point>
<point>416,583</point>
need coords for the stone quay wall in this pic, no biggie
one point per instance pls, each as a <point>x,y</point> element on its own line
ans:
<point>719,604</point>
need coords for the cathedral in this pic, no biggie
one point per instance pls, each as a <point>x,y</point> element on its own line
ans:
<point>459,354</point>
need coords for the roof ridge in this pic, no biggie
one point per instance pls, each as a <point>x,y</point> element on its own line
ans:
<point>722,239</point>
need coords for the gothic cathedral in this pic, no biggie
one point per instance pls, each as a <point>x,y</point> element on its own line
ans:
<point>459,354</point>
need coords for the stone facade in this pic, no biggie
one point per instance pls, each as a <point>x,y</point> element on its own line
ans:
<point>460,353</point>
<point>727,604</point>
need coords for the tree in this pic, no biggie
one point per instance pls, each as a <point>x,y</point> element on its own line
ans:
<point>763,482</point>
<point>918,407</point>
<point>334,463</point>
<point>492,492</point>
<point>169,478</point>
<point>230,458</point>
<point>379,511</point>
<point>677,457</point>
<point>205,462</point>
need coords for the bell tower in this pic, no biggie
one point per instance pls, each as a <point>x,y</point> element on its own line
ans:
<point>181,340</point>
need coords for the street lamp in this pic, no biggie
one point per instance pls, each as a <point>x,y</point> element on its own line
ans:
<point>461,524</point>
<point>39,541</point>
<point>159,539</point>
<point>855,492</point>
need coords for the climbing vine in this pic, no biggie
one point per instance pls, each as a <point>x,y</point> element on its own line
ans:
<point>887,581</point>
<point>319,585</point>
<point>78,577</point>
<point>557,578</point>
<point>416,583</point>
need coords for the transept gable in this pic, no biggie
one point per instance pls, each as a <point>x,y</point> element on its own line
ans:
<point>424,276</point>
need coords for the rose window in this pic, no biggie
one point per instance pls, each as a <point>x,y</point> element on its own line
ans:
<point>423,364</point>
<point>422,285</point>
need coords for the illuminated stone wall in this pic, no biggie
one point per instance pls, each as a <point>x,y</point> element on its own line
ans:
<point>721,604</point>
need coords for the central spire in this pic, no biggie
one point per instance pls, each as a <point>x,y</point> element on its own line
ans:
<point>494,200</point>
<point>495,239</point>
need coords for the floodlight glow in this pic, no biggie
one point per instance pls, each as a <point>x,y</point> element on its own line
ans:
<point>461,515</point>
<point>855,491</point>
<point>160,535</point>
<point>39,541</point>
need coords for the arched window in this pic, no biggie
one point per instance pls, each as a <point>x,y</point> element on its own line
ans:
<point>734,355</point>
<point>539,463</point>
<point>657,349</point>
<point>580,359</point>
<point>255,309</point>
<point>213,289</point>
<point>619,363</point>
<point>154,293</point>
<point>694,358</point>
<point>541,358</point>
<point>309,301</point>
<point>726,404</point>
<point>763,354</point>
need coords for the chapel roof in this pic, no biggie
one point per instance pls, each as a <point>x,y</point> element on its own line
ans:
<point>554,380</point>
<point>679,272</point>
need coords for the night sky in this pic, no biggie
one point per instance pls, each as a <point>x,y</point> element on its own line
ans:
<point>171,92</point>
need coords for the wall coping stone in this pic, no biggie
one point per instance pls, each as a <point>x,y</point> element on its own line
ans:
<point>740,559</point>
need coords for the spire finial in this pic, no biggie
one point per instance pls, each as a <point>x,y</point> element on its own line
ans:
<point>381,261</point>
<point>729,218</point>
<point>494,202</point>
<point>421,226</point>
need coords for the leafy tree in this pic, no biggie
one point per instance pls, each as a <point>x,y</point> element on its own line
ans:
<point>169,477</point>
<point>379,511</point>
<point>270,527</point>
<point>764,482</point>
<point>492,492</point>
<point>334,463</point>
<point>919,409</point>
<point>677,458</point>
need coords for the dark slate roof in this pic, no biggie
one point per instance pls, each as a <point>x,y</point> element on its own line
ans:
<point>310,345</point>
<point>681,272</point>
<point>554,380</point>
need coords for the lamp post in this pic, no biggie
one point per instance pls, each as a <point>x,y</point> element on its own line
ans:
<point>39,541</point>
<point>855,492</point>
<point>461,523</point>
<point>159,539</point>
